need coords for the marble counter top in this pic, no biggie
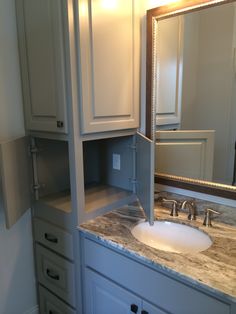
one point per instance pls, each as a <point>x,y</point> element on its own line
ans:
<point>213,269</point>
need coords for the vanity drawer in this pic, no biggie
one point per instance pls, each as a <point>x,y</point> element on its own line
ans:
<point>157,288</point>
<point>50,304</point>
<point>54,238</point>
<point>56,273</point>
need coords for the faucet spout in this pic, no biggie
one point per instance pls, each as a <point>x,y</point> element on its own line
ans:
<point>192,213</point>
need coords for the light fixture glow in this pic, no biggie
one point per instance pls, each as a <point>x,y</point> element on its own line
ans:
<point>157,3</point>
<point>83,8</point>
<point>109,4</point>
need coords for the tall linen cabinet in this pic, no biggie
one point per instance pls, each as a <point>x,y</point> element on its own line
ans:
<point>80,77</point>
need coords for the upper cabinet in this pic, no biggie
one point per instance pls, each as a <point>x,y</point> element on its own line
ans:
<point>107,47</point>
<point>41,42</point>
<point>109,62</point>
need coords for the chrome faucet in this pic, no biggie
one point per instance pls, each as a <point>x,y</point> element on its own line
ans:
<point>208,216</point>
<point>174,209</point>
<point>191,206</point>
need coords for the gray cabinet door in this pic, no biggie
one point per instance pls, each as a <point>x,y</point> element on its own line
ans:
<point>151,309</point>
<point>145,174</point>
<point>41,40</point>
<point>103,296</point>
<point>109,65</point>
<point>15,196</point>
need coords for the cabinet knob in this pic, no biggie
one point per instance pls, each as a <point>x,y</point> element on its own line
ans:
<point>60,124</point>
<point>134,308</point>
<point>144,312</point>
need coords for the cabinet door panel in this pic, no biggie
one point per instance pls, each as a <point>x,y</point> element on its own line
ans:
<point>109,65</point>
<point>150,309</point>
<point>102,296</point>
<point>15,196</point>
<point>186,153</point>
<point>145,174</point>
<point>40,25</point>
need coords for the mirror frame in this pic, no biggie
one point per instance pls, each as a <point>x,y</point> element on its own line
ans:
<point>153,16</point>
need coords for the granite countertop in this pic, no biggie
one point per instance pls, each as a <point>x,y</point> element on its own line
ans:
<point>214,270</point>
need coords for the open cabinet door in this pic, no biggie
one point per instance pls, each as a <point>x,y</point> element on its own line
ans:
<point>14,179</point>
<point>145,174</point>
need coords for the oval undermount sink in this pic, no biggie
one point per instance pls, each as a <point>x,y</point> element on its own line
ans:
<point>172,237</point>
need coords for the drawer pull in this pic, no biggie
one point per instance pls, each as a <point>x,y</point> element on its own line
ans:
<point>52,274</point>
<point>144,312</point>
<point>52,312</point>
<point>50,237</point>
<point>134,308</point>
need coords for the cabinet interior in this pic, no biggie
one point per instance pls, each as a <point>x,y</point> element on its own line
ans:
<point>53,173</point>
<point>103,184</point>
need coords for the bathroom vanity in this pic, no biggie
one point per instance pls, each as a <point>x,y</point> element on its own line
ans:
<point>86,159</point>
<point>121,273</point>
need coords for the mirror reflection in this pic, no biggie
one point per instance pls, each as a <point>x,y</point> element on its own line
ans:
<point>196,95</point>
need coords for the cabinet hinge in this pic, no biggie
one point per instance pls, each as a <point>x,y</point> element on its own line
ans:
<point>33,149</point>
<point>134,183</point>
<point>36,186</point>
<point>133,146</point>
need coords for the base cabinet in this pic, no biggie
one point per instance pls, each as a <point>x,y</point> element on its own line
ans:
<point>151,309</point>
<point>112,280</point>
<point>103,296</point>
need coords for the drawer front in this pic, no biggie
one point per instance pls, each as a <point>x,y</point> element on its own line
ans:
<point>50,304</point>
<point>56,273</point>
<point>167,293</point>
<point>54,238</point>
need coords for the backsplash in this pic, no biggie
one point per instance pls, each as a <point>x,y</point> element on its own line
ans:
<point>228,213</point>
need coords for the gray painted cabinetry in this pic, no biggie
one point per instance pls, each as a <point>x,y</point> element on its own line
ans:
<point>106,65</point>
<point>80,80</point>
<point>42,52</point>
<point>14,179</point>
<point>111,278</point>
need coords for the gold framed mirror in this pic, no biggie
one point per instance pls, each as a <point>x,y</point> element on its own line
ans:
<point>206,142</point>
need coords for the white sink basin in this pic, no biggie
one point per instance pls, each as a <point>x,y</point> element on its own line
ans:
<point>172,237</point>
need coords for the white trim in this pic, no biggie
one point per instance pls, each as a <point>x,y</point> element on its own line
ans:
<point>33,310</point>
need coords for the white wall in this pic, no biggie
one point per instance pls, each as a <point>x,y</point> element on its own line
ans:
<point>17,282</point>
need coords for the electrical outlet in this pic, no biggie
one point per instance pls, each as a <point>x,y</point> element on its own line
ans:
<point>116,161</point>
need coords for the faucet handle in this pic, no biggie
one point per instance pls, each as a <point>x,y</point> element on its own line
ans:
<point>174,209</point>
<point>208,216</point>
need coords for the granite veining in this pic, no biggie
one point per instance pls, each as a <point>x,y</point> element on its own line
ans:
<point>213,269</point>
